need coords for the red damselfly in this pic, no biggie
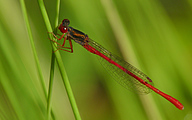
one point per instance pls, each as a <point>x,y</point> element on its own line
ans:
<point>125,74</point>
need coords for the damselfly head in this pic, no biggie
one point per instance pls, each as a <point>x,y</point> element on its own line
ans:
<point>65,22</point>
<point>63,29</point>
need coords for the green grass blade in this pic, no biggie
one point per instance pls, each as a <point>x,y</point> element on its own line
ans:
<point>33,46</point>
<point>50,86</point>
<point>60,63</point>
<point>52,66</point>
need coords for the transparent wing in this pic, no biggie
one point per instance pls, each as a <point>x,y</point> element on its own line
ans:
<point>120,75</point>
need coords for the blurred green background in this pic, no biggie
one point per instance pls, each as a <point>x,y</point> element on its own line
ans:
<point>153,35</point>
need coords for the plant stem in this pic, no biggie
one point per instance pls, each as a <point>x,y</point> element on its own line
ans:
<point>60,64</point>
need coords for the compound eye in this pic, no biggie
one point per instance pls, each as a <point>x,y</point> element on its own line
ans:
<point>66,22</point>
<point>63,29</point>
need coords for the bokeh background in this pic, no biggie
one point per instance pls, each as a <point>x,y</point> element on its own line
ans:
<point>153,35</point>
